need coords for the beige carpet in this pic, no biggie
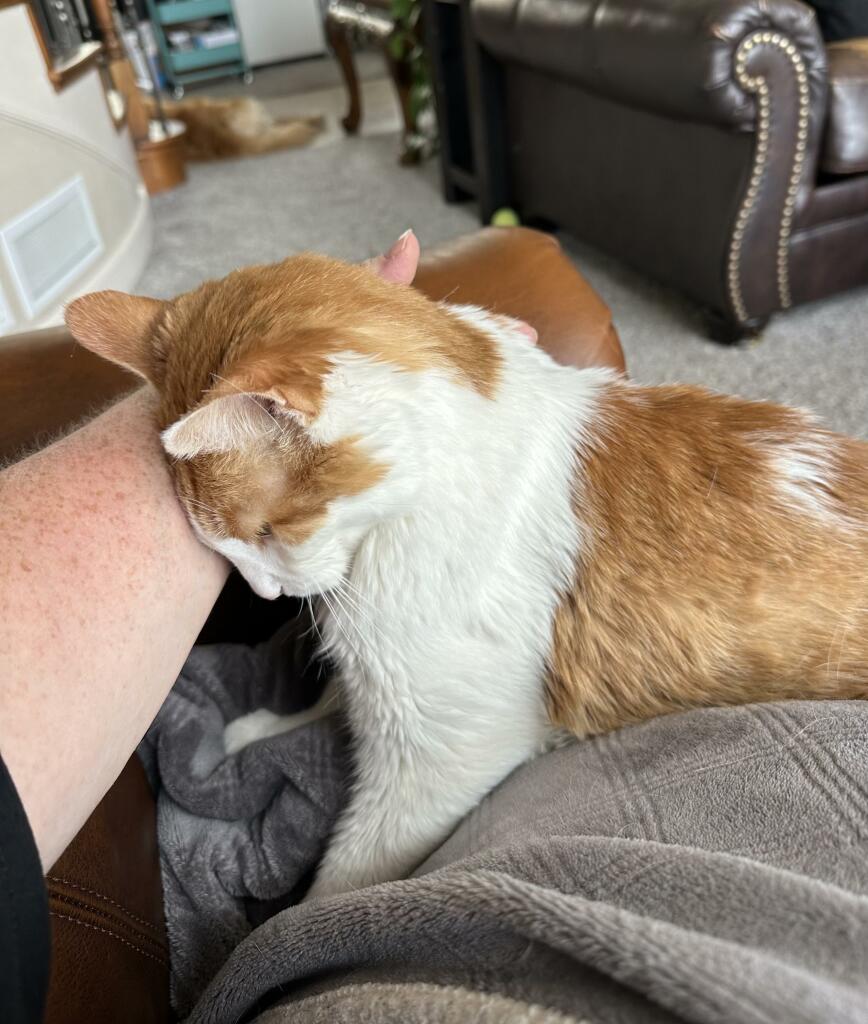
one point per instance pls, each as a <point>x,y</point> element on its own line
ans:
<point>349,197</point>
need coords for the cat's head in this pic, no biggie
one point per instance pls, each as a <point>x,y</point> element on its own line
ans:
<point>281,395</point>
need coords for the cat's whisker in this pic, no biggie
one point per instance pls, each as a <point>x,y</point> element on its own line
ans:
<point>348,585</point>
<point>339,624</point>
<point>241,390</point>
<point>353,605</point>
<point>337,593</point>
<point>348,621</point>
<point>314,623</point>
<point>360,597</point>
<point>333,699</point>
<point>203,506</point>
<point>359,610</point>
<point>231,383</point>
<point>352,619</point>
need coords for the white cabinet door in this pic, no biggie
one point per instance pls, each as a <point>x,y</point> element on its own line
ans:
<point>274,30</point>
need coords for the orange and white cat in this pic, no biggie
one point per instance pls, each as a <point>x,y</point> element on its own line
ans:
<point>506,548</point>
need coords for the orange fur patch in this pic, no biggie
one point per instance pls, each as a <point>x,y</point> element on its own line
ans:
<point>698,586</point>
<point>278,326</point>
<point>287,487</point>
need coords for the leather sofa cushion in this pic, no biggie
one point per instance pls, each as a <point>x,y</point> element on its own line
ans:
<point>47,383</point>
<point>845,150</point>
<point>110,958</point>
<point>670,57</point>
<point>842,19</point>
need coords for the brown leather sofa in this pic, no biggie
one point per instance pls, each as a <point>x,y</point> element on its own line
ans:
<point>110,952</point>
<point>717,145</point>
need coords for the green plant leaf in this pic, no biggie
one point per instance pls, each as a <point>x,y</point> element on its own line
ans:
<point>401,9</point>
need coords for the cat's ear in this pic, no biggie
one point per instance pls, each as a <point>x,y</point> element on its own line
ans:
<point>400,262</point>
<point>117,327</point>
<point>228,422</point>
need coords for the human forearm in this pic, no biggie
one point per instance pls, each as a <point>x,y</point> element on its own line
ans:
<point>103,589</point>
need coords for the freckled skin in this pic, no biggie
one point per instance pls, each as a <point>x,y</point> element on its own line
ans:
<point>79,613</point>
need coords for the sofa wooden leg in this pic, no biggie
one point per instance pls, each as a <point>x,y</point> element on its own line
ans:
<point>725,330</point>
<point>402,76</point>
<point>340,44</point>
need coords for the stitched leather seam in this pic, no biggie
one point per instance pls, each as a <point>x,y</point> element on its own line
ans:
<point>106,899</point>
<point>838,167</point>
<point>758,85</point>
<point>111,918</point>
<point>111,934</point>
<point>828,226</point>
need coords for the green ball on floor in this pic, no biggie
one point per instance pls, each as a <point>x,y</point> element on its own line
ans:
<point>505,218</point>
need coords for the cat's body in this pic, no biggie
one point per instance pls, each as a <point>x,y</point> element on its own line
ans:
<point>222,128</point>
<point>507,548</point>
<point>443,637</point>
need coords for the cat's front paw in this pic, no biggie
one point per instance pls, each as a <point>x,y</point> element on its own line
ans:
<point>247,729</point>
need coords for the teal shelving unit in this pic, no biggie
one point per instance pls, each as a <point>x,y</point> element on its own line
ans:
<point>183,67</point>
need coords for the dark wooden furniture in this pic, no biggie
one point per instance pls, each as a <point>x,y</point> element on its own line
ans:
<point>469,112</point>
<point>350,22</point>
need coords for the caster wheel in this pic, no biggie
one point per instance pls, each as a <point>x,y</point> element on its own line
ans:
<point>248,77</point>
<point>178,92</point>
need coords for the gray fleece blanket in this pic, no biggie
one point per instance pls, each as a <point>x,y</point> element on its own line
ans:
<point>710,866</point>
<point>238,835</point>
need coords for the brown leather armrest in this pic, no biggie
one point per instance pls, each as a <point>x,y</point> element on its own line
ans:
<point>110,952</point>
<point>525,274</point>
<point>47,383</point>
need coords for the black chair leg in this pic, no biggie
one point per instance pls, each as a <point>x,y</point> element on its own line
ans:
<point>725,330</point>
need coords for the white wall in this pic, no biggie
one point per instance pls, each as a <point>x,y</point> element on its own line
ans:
<point>274,30</point>
<point>47,138</point>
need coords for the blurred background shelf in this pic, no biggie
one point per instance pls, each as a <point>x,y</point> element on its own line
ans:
<point>173,12</point>
<point>186,32</point>
<point>199,59</point>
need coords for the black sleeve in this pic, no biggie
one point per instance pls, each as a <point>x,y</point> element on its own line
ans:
<point>25,939</point>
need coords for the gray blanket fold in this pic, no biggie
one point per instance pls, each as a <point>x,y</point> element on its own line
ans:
<point>711,866</point>
<point>238,834</point>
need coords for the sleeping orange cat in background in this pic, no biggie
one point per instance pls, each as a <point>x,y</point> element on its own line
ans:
<point>505,549</point>
<point>218,128</point>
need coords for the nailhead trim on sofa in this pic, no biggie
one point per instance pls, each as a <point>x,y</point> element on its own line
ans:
<point>758,85</point>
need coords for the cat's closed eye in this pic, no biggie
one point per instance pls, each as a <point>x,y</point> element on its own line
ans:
<point>264,530</point>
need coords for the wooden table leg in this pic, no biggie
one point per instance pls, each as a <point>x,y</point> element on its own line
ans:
<point>340,44</point>
<point>402,77</point>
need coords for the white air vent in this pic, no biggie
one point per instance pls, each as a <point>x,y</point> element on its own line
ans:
<point>51,244</point>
